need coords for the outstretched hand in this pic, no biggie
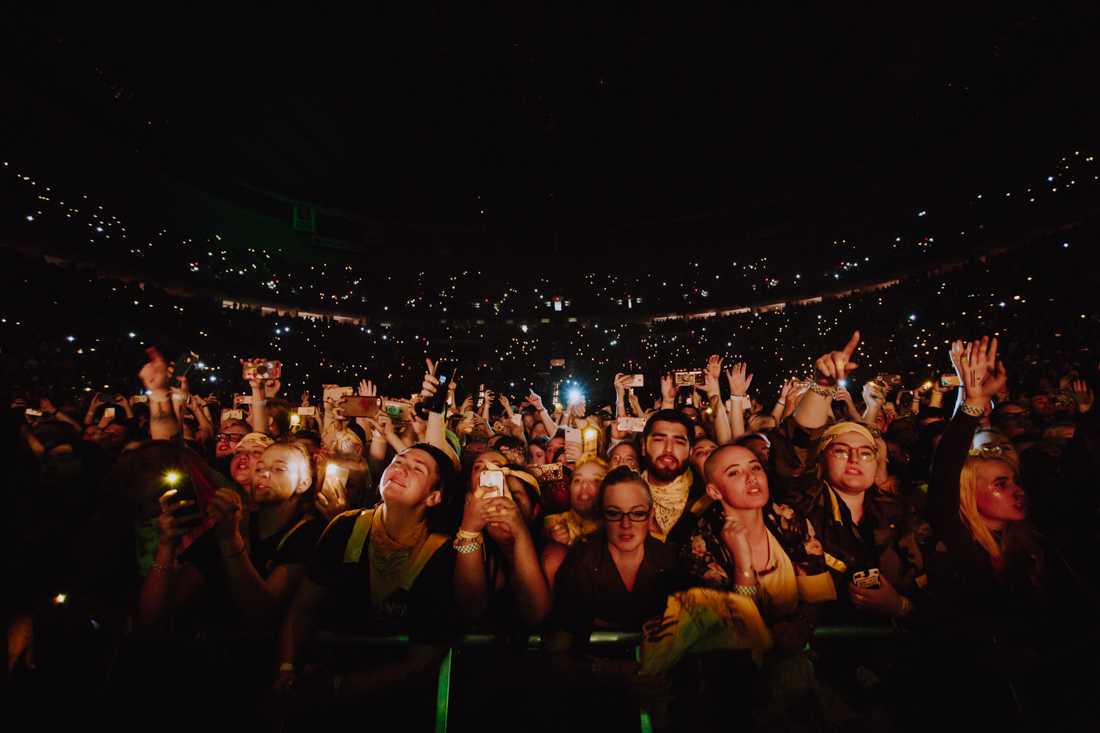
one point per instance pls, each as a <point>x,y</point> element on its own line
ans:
<point>982,375</point>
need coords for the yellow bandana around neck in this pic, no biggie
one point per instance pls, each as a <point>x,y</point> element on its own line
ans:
<point>395,564</point>
<point>668,502</point>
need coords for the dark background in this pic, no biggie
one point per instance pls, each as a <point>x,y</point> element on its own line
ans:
<point>604,139</point>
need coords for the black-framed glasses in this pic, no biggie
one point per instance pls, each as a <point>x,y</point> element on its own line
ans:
<point>229,438</point>
<point>612,514</point>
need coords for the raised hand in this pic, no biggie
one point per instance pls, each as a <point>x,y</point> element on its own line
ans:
<point>367,388</point>
<point>430,384</point>
<point>668,389</point>
<point>506,404</point>
<point>535,400</point>
<point>738,378</point>
<point>620,383</point>
<point>836,365</point>
<point>1082,392</point>
<point>981,374</point>
<point>711,375</point>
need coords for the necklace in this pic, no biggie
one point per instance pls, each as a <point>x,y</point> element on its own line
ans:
<point>768,567</point>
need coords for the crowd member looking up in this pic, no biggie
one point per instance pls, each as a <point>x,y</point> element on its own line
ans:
<point>496,553</point>
<point>388,569</point>
<point>582,518</point>
<point>255,560</point>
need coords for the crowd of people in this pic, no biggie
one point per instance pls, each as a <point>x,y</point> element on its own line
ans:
<point>892,533</point>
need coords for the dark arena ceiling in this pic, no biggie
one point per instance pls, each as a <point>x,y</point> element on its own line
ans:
<point>600,132</point>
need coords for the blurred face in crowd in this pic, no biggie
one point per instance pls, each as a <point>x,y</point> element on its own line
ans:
<point>281,472</point>
<point>513,454</point>
<point>410,480</point>
<point>736,477</point>
<point>555,450</point>
<point>691,412</point>
<point>92,433</point>
<point>625,533</point>
<point>1043,406</point>
<point>538,430</point>
<point>243,466</point>
<point>585,487</point>
<point>999,498</point>
<point>536,456</point>
<point>228,439</point>
<point>1012,420</point>
<point>667,449</point>
<point>624,454</point>
<point>851,463</point>
<point>528,509</point>
<point>700,452</point>
<point>113,437</point>
<point>759,447</point>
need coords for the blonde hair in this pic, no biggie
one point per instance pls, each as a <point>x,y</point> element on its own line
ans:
<point>968,504</point>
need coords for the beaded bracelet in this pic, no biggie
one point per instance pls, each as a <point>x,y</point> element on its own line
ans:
<point>822,390</point>
<point>749,591</point>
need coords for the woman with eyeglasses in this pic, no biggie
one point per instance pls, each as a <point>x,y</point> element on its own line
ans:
<point>617,578</point>
<point>827,473</point>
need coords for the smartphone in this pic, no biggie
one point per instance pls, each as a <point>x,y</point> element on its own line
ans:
<point>548,472</point>
<point>950,380</point>
<point>492,482</point>
<point>355,406</point>
<point>399,410</point>
<point>630,424</point>
<point>889,381</point>
<point>183,365</point>
<point>573,445</point>
<point>689,378</point>
<point>866,578</point>
<point>31,412</point>
<point>636,380</point>
<point>109,413</point>
<point>232,415</point>
<point>260,369</point>
<point>179,482</point>
<point>438,402</point>
<point>336,479</point>
<point>307,411</point>
<point>139,398</point>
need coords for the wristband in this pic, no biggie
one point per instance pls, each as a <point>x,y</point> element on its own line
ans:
<point>286,667</point>
<point>748,591</point>
<point>467,549</point>
<point>824,391</point>
<point>781,403</point>
<point>972,411</point>
<point>468,535</point>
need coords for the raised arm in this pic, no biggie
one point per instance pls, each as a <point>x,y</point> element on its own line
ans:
<point>982,376</point>
<point>722,432</point>
<point>815,409</point>
<point>739,380</point>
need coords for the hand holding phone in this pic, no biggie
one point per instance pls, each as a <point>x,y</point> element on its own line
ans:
<point>491,482</point>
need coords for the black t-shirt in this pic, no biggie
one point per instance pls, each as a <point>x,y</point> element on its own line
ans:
<point>291,545</point>
<point>589,592</point>
<point>426,611</point>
